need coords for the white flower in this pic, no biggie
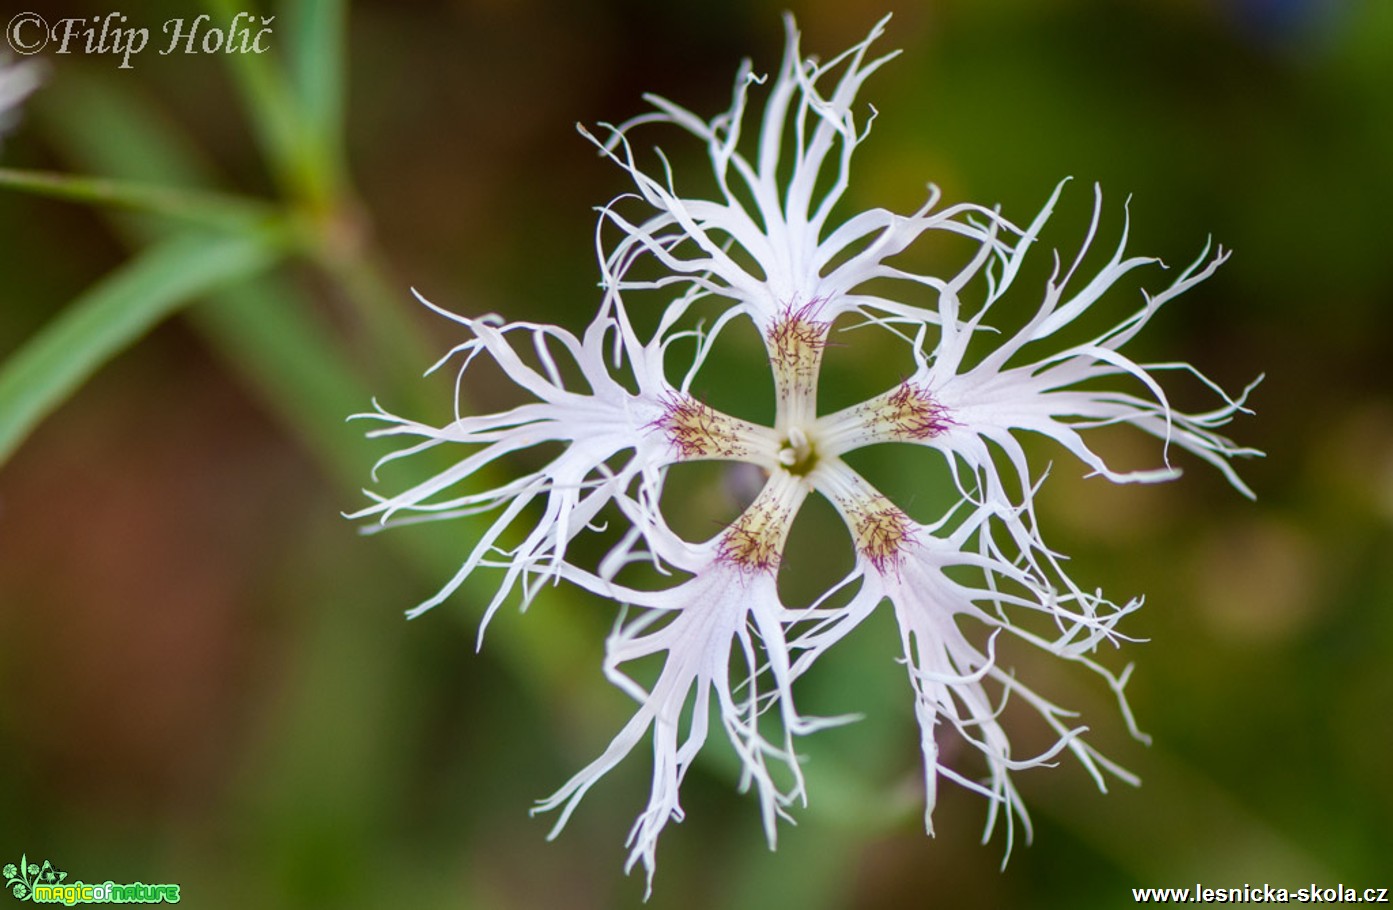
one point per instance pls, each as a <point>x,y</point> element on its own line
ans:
<point>658,424</point>
<point>963,409</point>
<point>765,250</point>
<point>903,561</point>
<point>721,632</point>
<point>776,207</point>
<point>17,80</point>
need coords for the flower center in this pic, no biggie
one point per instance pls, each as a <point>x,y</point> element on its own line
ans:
<point>798,454</point>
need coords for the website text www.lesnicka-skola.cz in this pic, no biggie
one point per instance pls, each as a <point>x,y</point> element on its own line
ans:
<point>1261,894</point>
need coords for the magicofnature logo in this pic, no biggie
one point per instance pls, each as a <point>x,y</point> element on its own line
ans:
<point>47,884</point>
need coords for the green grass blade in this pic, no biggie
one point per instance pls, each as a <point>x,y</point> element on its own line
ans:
<point>113,314</point>
<point>318,36</point>
<point>113,128</point>
<point>203,208</point>
<point>304,374</point>
<point>298,115</point>
<point>270,107</point>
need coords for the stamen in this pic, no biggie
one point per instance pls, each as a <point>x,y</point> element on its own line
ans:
<point>907,413</point>
<point>912,413</point>
<point>697,430</point>
<point>795,344</point>
<point>797,453</point>
<point>879,528</point>
<point>755,541</point>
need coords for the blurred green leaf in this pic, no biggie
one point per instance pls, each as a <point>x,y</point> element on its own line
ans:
<point>113,314</point>
<point>301,371</point>
<point>270,107</point>
<point>298,115</point>
<point>208,209</point>
<point>318,36</point>
<point>115,129</point>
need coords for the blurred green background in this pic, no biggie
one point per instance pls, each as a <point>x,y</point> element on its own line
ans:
<point>206,676</point>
